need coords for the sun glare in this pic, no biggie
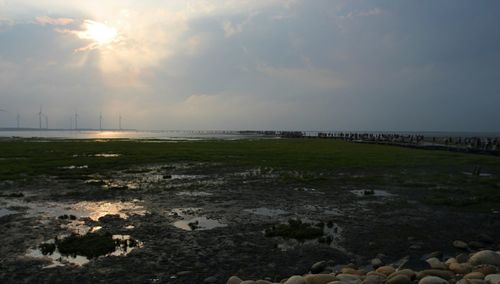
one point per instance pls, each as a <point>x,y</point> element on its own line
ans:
<point>100,33</point>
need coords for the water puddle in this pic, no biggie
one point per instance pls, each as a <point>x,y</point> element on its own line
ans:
<point>193,193</point>
<point>107,155</point>
<point>73,167</point>
<point>371,192</point>
<point>80,249</point>
<point>5,212</point>
<point>190,221</point>
<point>479,175</point>
<point>268,212</point>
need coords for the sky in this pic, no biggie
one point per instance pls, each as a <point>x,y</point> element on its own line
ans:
<point>252,64</point>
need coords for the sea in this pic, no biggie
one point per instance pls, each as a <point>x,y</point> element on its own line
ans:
<point>201,134</point>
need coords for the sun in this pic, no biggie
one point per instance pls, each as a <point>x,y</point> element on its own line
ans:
<point>100,33</point>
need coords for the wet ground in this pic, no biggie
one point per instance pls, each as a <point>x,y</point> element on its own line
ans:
<point>190,221</point>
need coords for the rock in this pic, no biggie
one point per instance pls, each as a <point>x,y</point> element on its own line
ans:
<point>474,275</point>
<point>350,270</point>
<point>460,268</point>
<point>436,254</point>
<point>462,258</point>
<point>348,278</point>
<point>210,279</point>
<point>445,274</point>
<point>407,272</point>
<point>376,263</point>
<point>471,281</point>
<point>320,278</point>
<point>399,279</point>
<point>296,279</point>
<point>435,263</point>
<point>234,280</point>
<point>248,282</point>
<point>262,282</point>
<point>318,267</point>
<point>183,273</point>
<point>374,278</point>
<point>493,279</point>
<point>460,244</point>
<point>450,261</point>
<point>432,280</point>
<point>485,257</point>
<point>486,269</point>
<point>387,270</point>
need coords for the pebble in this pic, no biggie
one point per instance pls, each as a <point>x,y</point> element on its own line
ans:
<point>460,244</point>
<point>318,267</point>
<point>210,279</point>
<point>234,280</point>
<point>320,278</point>
<point>387,270</point>
<point>471,281</point>
<point>399,279</point>
<point>445,274</point>
<point>376,263</point>
<point>432,280</point>
<point>348,278</point>
<point>262,282</point>
<point>374,278</point>
<point>435,263</point>
<point>410,274</point>
<point>460,268</point>
<point>493,279</point>
<point>296,279</point>
<point>485,257</point>
<point>248,282</point>
<point>474,275</point>
<point>462,258</point>
<point>486,269</point>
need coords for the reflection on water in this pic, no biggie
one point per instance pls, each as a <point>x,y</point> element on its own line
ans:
<point>124,244</point>
<point>91,209</point>
<point>5,212</point>
<point>198,223</point>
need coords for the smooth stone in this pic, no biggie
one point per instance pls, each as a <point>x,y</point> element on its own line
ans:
<point>210,279</point>
<point>349,278</point>
<point>451,260</point>
<point>460,268</point>
<point>460,244</point>
<point>374,278</point>
<point>234,280</point>
<point>471,281</point>
<point>462,258</point>
<point>474,275</point>
<point>436,254</point>
<point>486,269</point>
<point>387,270</point>
<point>248,282</point>
<point>435,263</point>
<point>318,267</point>
<point>376,263</point>
<point>296,279</point>
<point>432,280</point>
<point>399,279</point>
<point>350,270</point>
<point>445,274</point>
<point>338,282</point>
<point>320,278</point>
<point>485,257</point>
<point>407,272</point>
<point>493,279</point>
<point>263,282</point>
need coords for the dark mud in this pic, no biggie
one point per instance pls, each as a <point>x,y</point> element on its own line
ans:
<point>198,220</point>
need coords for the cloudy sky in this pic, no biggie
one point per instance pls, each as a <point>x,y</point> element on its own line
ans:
<point>252,64</point>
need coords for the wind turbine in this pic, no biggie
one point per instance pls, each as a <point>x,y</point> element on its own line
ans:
<point>76,120</point>
<point>40,118</point>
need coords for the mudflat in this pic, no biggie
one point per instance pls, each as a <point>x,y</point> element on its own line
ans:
<point>147,211</point>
